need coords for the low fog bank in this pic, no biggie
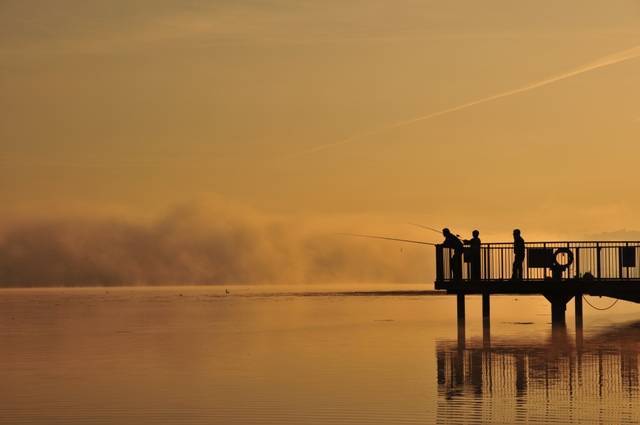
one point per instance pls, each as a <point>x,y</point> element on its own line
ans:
<point>617,235</point>
<point>200,245</point>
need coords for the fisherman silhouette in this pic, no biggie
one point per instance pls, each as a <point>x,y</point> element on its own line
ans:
<point>518,250</point>
<point>472,254</point>
<point>451,241</point>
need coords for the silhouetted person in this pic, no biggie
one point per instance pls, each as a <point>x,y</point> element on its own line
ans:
<point>518,250</point>
<point>474,254</point>
<point>451,241</point>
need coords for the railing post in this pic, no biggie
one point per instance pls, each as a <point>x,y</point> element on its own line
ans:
<point>634,253</point>
<point>577,262</point>
<point>619,262</point>
<point>544,273</point>
<point>598,260</point>
<point>488,265</point>
<point>439,264</point>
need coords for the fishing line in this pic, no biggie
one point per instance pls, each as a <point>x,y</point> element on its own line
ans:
<point>388,239</point>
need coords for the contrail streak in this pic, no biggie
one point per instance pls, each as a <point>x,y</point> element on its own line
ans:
<point>609,60</point>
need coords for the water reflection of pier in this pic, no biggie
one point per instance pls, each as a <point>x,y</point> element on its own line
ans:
<point>562,379</point>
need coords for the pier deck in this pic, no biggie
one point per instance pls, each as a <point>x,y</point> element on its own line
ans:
<point>558,271</point>
<point>628,290</point>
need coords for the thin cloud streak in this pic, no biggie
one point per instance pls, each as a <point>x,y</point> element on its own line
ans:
<point>606,61</point>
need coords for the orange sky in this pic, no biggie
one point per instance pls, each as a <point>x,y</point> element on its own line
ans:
<point>140,105</point>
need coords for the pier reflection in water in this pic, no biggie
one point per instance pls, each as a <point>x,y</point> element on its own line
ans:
<point>563,379</point>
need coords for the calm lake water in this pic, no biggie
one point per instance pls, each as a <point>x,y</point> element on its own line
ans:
<point>267,355</point>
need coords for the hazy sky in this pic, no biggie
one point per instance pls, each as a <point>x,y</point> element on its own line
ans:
<point>144,104</point>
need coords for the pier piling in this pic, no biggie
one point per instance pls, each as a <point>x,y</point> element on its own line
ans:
<point>460,308</point>
<point>558,307</point>
<point>461,321</point>
<point>486,305</point>
<point>578,305</point>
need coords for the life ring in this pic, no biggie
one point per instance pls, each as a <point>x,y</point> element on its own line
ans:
<point>569,262</point>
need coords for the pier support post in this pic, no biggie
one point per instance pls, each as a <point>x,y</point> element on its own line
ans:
<point>486,333</point>
<point>460,309</point>
<point>558,310</point>
<point>462,336</point>
<point>461,321</point>
<point>558,307</point>
<point>486,306</point>
<point>579,332</point>
<point>486,320</point>
<point>578,304</point>
<point>559,335</point>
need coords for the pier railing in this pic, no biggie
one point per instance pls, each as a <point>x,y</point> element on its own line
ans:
<point>588,260</point>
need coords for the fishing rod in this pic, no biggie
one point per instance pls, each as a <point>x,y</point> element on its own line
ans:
<point>388,239</point>
<point>426,227</point>
<point>430,228</point>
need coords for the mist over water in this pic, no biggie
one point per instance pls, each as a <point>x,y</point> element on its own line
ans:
<point>203,244</point>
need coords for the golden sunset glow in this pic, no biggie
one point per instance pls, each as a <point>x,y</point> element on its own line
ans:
<point>143,105</point>
<point>328,117</point>
<point>261,212</point>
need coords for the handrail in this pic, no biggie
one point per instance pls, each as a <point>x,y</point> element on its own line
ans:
<point>544,260</point>
<point>562,242</point>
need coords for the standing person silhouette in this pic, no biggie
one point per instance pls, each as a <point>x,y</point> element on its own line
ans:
<point>518,250</point>
<point>451,241</point>
<point>474,254</point>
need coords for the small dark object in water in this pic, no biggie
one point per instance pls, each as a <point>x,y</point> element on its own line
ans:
<point>226,291</point>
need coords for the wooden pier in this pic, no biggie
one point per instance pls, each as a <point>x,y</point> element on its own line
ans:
<point>559,271</point>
